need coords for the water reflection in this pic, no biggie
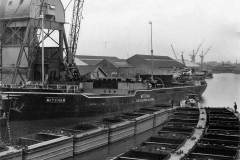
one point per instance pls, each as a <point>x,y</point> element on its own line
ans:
<point>222,91</point>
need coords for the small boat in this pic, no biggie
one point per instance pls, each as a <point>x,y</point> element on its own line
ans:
<point>191,100</point>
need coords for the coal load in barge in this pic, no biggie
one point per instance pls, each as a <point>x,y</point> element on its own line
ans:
<point>215,136</point>
<point>221,140</point>
<point>169,139</point>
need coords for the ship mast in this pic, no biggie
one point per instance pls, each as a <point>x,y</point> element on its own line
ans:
<point>194,54</point>
<point>1,57</point>
<point>203,55</point>
<point>42,33</point>
<point>151,51</point>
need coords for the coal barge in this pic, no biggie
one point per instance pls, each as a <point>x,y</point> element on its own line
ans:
<point>221,139</point>
<point>186,133</point>
<point>83,137</point>
<point>213,135</point>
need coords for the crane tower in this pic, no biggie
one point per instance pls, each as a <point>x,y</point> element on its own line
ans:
<point>75,28</point>
<point>20,51</point>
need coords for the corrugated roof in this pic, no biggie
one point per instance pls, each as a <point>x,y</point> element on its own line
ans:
<point>158,61</point>
<point>94,60</point>
<point>90,62</point>
<point>117,64</point>
<point>80,63</point>
<point>148,71</point>
<point>154,57</point>
<point>122,64</point>
<point>10,9</point>
<point>83,70</point>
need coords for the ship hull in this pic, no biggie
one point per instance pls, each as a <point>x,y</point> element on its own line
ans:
<point>44,105</point>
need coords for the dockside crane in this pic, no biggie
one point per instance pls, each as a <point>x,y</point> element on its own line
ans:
<point>74,29</point>
<point>174,53</point>
<point>77,11</point>
<point>194,54</point>
<point>20,37</point>
<point>182,58</point>
<point>203,54</point>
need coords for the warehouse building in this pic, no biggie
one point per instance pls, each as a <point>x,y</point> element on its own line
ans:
<point>91,72</point>
<point>133,67</point>
<point>94,60</point>
<point>161,67</point>
<point>158,65</point>
<point>112,66</point>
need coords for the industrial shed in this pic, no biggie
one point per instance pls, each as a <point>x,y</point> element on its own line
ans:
<point>91,72</point>
<point>112,66</point>
<point>94,60</point>
<point>162,65</point>
<point>116,68</point>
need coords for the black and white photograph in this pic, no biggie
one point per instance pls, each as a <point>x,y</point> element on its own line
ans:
<point>120,80</point>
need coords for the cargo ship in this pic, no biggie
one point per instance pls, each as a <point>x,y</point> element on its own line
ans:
<point>52,101</point>
<point>46,82</point>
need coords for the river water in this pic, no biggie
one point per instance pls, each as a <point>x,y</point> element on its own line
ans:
<point>223,90</point>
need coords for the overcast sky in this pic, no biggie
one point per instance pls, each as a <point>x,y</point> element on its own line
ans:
<point>121,27</point>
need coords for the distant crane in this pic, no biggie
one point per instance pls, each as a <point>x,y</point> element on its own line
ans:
<point>194,54</point>
<point>182,58</point>
<point>75,28</point>
<point>174,53</point>
<point>203,54</point>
